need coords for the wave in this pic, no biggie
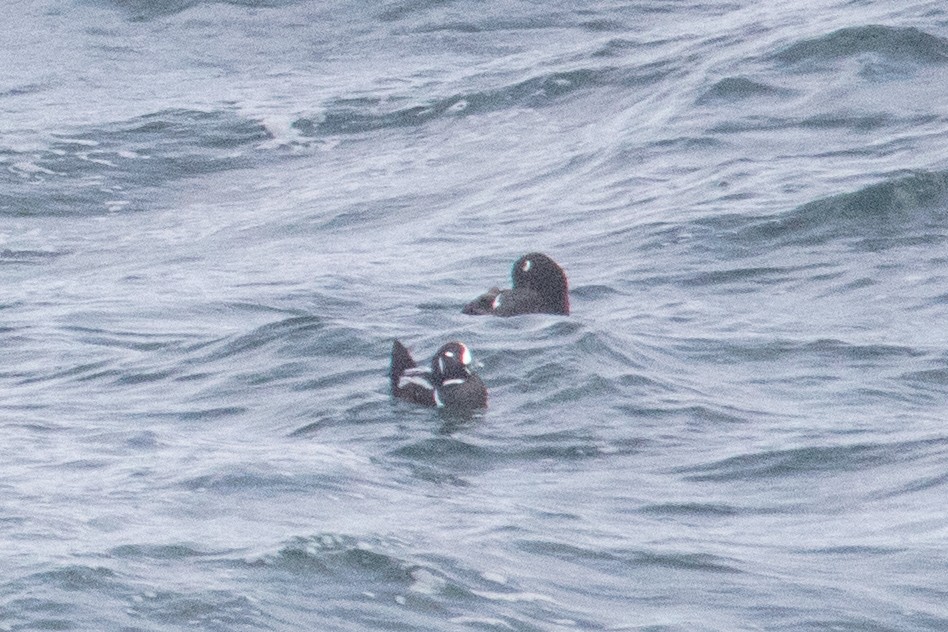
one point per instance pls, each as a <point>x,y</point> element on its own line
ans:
<point>932,381</point>
<point>918,484</point>
<point>743,252</point>
<point>179,354</point>
<point>204,608</point>
<point>291,339</point>
<point>115,167</point>
<point>374,575</point>
<point>732,89</point>
<point>27,257</point>
<point>624,560</point>
<point>73,596</point>
<point>445,460</point>
<point>338,554</point>
<point>326,471</point>
<point>449,450</point>
<point>244,480</point>
<point>895,43</point>
<point>356,116</point>
<point>691,510</point>
<point>122,357</point>
<point>79,577</point>
<point>23,89</point>
<point>808,461</point>
<point>710,415</point>
<point>847,121</point>
<point>145,10</point>
<point>817,352</point>
<point>899,210</point>
<point>165,552</point>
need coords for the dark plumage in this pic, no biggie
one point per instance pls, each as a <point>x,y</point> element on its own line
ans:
<point>447,383</point>
<point>539,287</point>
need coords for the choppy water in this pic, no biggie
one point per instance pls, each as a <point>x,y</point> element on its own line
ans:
<point>214,217</point>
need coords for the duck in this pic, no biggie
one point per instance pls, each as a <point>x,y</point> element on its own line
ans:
<point>539,287</point>
<point>447,382</point>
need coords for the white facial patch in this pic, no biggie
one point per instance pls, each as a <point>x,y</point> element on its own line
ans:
<point>496,303</point>
<point>526,265</point>
<point>465,356</point>
<point>450,354</point>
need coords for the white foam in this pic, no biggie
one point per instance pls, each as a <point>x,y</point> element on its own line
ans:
<point>426,582</point>
<point>513,597</point>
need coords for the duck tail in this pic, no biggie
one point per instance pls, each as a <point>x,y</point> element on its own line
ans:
<point>401,361</point>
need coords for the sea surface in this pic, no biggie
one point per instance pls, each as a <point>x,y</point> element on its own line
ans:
<point>215,217</point>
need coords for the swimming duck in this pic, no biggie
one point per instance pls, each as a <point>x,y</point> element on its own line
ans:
<point>539,287</point>
<point>448,382</point>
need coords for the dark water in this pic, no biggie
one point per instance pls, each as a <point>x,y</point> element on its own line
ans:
<point>214,218</point>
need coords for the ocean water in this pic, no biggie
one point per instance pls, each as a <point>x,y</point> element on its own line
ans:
<point>216,216</point>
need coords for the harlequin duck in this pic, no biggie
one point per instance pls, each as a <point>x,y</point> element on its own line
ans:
<point>539,287</point>
<point>447,383</point>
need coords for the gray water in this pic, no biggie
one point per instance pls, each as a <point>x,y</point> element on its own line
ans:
<point>216,216</point>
